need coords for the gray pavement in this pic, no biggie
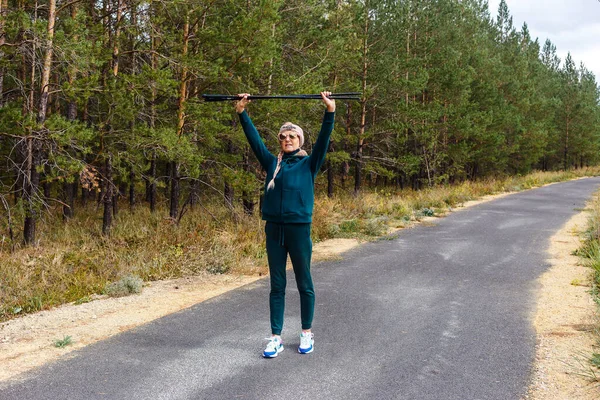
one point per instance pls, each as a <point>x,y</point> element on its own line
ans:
<point>437,312</point>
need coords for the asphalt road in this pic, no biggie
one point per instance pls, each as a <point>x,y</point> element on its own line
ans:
<point>438,312</point>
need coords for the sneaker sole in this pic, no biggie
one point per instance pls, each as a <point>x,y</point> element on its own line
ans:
<point>306,352</point>
<point>273,355</point>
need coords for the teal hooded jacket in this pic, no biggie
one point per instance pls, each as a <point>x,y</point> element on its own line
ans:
<point>293,197</point>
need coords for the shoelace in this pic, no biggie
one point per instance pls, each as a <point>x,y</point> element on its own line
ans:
<point>273,343</point>
<point>305,340</point>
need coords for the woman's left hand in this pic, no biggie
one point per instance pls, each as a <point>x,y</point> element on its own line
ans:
<point>330,103</point>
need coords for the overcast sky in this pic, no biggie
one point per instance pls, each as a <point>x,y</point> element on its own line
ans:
<point>572,25</point>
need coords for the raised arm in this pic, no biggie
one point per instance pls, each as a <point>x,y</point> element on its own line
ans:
<point>264,156</point>
<point>319,150</point>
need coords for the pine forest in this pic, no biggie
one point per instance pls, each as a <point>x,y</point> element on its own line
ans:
<point>101,108</point>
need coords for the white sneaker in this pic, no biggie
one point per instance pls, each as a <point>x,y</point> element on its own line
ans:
<point>307,341</point>
<point>274,347</point>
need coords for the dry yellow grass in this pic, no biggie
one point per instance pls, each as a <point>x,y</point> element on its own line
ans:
<point>590,254</point>
<point>73,260</point>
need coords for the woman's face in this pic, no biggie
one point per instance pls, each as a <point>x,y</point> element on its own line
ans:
<point>289,141</point>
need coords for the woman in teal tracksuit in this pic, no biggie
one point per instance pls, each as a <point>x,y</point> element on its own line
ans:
<point>287,209</point>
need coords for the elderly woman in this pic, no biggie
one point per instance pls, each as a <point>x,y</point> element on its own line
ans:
<point>287,209</point>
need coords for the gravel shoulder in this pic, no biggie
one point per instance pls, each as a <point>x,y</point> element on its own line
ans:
<point>565,321</point>
<point>564,318</point>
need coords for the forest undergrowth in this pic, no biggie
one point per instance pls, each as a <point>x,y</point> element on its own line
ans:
<point>72,261</point>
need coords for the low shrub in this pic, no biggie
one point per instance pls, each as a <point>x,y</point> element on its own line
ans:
<point>125,286</point>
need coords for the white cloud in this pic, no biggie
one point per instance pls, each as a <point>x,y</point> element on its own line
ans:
<point>554,15</point>
<point>573,26</point>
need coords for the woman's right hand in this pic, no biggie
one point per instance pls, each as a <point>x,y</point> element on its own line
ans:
<point>240,106</point>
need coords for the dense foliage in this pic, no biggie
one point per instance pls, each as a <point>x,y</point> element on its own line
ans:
<point>99,99</point>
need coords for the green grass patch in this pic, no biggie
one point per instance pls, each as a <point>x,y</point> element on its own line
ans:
<point>64,342</point>
<point>83,300</point>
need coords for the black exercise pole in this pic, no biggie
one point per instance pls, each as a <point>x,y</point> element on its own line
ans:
<point>335,96</point>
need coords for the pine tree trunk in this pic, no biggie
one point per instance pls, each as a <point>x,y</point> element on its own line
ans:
<point>344,172</point>
<point>3,14</point>
<point>71,72</point>
<point>107,198</point>
<point>357,169</point>
<point>345,167</point>
<point>174,198</point>
<point>115,203</point>
<point>228,191</point>
<point>115,54</point>
<point>147,191</point>
<point>110,194</point>
<point>167,189</point>
<point>47,187</point>
<point>32,182</point>
<point>34,145</point>
<point>34,50</point>
<point>566,148</point>
<point>331,149</point>
<point>134,71</point>
<point>194,193</point>
<point>247,204</point>
<point>151,183</point>
<point>247,200</point>
<point>68,199</point>
<point>330,174</point>
<point>43,104</point>
<point>152,198</point>
<point>183,80</point>
<point>363,114</point>
<point>175,167</point>
<point>70,188</point>
<point>131,189</point>
<point>84,196</point>
<point>118,193</point>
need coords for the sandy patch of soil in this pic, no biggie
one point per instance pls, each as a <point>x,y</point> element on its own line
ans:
<point>332,248</point>
<point>27,342</point>
<point>485,199</point>
<point>565,320</point>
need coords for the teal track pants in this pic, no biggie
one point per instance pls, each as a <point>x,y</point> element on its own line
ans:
<point>292,239</point>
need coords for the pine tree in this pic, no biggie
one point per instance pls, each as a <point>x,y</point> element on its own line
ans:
<point>568,106</point>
